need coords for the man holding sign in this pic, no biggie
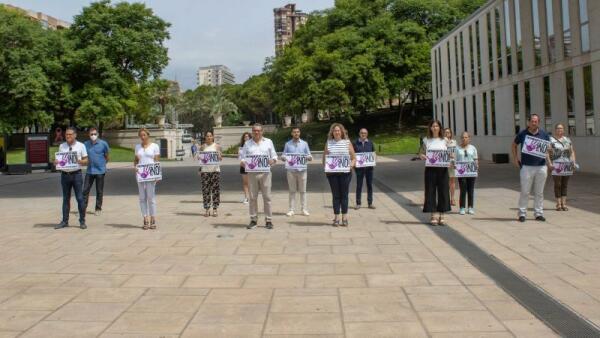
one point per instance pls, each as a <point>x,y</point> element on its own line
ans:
<point>535,150</point>
<point>258,155</point>
<point>68,160</point>
<point>365,165</point>
<point>296,154</point>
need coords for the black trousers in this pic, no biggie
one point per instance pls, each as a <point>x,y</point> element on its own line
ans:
<point>87,186</point>
<point>437,191</point>
<point>364,173</point>
<point>72,181</point>
<point>467,188</point>
<point>340,186</point>
<point>561,184</point>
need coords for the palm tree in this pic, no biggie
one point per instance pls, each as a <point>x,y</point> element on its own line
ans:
<point>219,105</point>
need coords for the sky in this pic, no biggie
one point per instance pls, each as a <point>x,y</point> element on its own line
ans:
<point>235,33</point>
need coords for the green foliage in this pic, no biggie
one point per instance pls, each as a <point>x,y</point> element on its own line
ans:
<point>202,105</point>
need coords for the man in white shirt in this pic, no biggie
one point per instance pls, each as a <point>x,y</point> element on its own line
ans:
<point>72,179</point>
<point>296,177</point>
<point>259,181</point>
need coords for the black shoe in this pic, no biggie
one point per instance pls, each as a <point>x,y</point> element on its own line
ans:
<point>356,207</point>
<point>82,226</point>
<point>61,225</point>
<point>269,225</point>
<point>371,206</point>
<point>252,225</point>
<point>540,218</point>
<point>521,219</point>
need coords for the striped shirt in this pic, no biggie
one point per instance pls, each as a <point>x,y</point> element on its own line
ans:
<point>338,147</point>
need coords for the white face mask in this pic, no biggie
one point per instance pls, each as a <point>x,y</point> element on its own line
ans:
<point>93,137</point>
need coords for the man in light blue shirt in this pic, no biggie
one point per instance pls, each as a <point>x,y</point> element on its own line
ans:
<point>98,155</point>
<point>296,177</point>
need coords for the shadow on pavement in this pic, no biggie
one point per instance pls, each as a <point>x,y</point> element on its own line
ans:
<point>123,226</point>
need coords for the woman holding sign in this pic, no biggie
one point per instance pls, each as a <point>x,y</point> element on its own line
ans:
<point>210,173</point>
<point>245,137</point>
<point>563,161</point>
<point>339,159</point>
<point>466,167</point>
<point>451,143</point>
<point>146,154</point>
<point>434,152</point>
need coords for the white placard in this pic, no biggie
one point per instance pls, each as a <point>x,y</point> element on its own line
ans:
<point>535,146</point>
<point>364,160</point>
<point>206,158</point>
<point>257,164</point>
<point>149,172</point>
<point>466,169</point>
<point>296,161</point>
<point>562,167</point>
<point>67,161</point>
<point>437,158</point>
<point>337,163</point>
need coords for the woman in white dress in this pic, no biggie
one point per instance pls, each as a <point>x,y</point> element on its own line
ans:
<point>147,153</point>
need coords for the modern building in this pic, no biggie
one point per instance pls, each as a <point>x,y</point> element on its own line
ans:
<point>215,75</point>
<point>47,21</point>
<point>514,58</point>
<point>287,22</point>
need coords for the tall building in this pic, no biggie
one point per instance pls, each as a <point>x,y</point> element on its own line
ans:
<point>47,21</point>
<point>514,58</point>
<point>287,22</point>
<point>215,75</point>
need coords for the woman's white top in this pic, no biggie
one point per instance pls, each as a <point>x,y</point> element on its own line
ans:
<point>466,154</point>
<point>146,155</point>
<point>561,148</point>
<point>435,144</point>
<point>338,147</point>
<point>210,168</point>
<point>450,143</point>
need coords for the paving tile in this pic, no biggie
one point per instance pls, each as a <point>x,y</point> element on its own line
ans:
<point>16,320</point>
<point>167,303</point>
<point>66,329</point>
<point>528,328</point>
<point>109,295</point>
<point>305,304</point>
<point>306,269</point>
<point>460,321</point>
<point>231,313</point>
<point>239,296</point>
<point>445,302</point>
<point>98,281</point>
<point>335,281</point>
<point>378,312</point>
<point>251,269</point>
<point>385,329</point>
<point>229,330</point>
<point>214,281</point>
<point>391,280</point>
<point>304,323</point>
<point>89,312</point>
<point>196,269</point>
<point>35,302</point>
<point>154,281</point>
<point>273,282</point>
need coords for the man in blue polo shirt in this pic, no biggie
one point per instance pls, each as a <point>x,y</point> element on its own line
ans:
<point>98,152</point>
<point>364,145</point>
<point>533,166</point>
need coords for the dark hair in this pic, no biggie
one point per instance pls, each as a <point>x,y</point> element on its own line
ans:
<point>92,128</point>
<point>73,129</point>
<point>429,133</point>
<point>532,115</point>
<point>295,127</point>
<point>206,134</point>
<point>450,130</point>
<point>242,141</point>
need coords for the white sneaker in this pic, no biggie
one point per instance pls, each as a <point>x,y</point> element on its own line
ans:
<point>305,213</point>
<point>471,211</point>
<point>462,211</point>
<point>290,213</point>
<point>245,201</point>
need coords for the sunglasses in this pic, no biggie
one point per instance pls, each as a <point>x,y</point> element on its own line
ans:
<point>93,134</point>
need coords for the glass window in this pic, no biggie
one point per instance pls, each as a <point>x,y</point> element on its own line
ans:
<point>550,29</point>
<point>518,37</point>
<point>465,113</point>
<point>442,113</point>
<point>456,68</point>
<point>453,117</point>
<point>449,121</point>
<point>485,114</point>
<point>585,26</point>
<point>489,46</point>
<point>474,115</point>
<point>449,67</point>
<point>441,82</point>
<point>507,37</point>
<point>435,112</point>
<point>537,47</point>
<point>493,109</point>
<point>566,21</point>
<point>590,128</point>
<point>547,104</point>
<point>479,52</point>
<point>517,115</point>
<point>527,100</point>
<point>570,102</point>
<point>472,58</point>
<point>435,78</point>
<point>462,60</point>
<point>498,41</point>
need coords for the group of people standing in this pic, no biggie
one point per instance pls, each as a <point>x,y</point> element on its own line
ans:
<point>439,180</point>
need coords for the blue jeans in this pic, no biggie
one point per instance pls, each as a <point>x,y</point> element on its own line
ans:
<point>72,181</point>
<point>340,186</point>
<point>368,174</point>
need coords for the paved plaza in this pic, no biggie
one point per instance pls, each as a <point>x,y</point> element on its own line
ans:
<point>386,275</point>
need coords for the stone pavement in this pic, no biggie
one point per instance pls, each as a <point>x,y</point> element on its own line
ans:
<point>387,275</point>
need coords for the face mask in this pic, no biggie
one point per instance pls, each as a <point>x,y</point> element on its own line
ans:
<point>94,137</point>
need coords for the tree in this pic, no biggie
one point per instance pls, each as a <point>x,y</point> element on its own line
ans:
<point>218,105</point>
<point>24,85</point>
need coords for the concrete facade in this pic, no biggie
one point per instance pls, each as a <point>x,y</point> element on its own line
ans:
<point>287,20</point>
<point>47,21</point>
<point>512,58</point>
<point>215,75</point>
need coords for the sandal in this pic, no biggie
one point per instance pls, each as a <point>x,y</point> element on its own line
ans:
<point>345,223</point>
<point>207,212</point>
<point>433,221</point>
<point>153,224</point>
<point>336,223</point>
<point>214,214</point>
<point>145,227</point>
<point>558,207</point>
<point>564,208</point>
<point>441,221</point>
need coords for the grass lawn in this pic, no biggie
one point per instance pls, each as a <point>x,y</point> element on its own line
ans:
<point>117,154</point>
